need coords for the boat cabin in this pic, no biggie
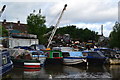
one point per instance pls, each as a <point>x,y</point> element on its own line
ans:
<point>53,54</point>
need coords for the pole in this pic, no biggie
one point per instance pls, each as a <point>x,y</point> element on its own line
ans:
<point>102,30</point>
<point>1,23</point>
<point>54,30</point>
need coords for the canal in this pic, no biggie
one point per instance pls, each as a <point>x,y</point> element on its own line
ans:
<point>67,72</point>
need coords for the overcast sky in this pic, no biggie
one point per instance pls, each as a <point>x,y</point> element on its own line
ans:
<point>89,14</point>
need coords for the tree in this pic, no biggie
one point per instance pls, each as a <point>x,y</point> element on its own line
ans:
<point>3,32</point>
<point>36,23</point>
<point>78,34</point>
<point>115,36</point>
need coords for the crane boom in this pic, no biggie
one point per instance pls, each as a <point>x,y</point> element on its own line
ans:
<point>55,28</point>
<point>2,10</point>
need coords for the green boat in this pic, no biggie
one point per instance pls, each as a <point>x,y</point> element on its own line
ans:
<point>27,59</point>
<point>53,57</point>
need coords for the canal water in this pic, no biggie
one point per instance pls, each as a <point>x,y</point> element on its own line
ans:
<point>66,72</point>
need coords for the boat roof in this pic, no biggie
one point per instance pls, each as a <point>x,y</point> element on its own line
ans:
<point>96,49</point>
<point>35,51</point>
<point>63,48</point>
<point>74,53</point>
<point>88,51</point>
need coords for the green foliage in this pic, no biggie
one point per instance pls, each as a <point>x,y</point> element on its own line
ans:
<point>4,32</point>
<point>77,34</point>
<point>36,23</point>
<point>115,36</point>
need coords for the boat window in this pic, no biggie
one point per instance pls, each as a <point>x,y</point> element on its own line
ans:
<point>55,54</point>
<point>35,53</point>
<point>41,47</point>
<point>94,54</point>
<point>85,54</point>
<point>65,54</point>
<point>4,59</point>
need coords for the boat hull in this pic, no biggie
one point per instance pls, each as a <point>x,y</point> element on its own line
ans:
<point>73,60</point>
<point>32,65</point>
<point>54,61</point>
<point>6,68</point>
<point>41,59</point>
<point>96,61</point>
<point>26,63</point>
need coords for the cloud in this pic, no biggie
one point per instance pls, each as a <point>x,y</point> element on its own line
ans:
<point>107,27</point>
<point>83,13</point>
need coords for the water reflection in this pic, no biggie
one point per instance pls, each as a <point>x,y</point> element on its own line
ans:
<point>112,71</point>
<point>115,71</point>
<point>85,72</point>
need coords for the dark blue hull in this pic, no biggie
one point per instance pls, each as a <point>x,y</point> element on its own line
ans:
<point>96,61</point>
<point>6,64</point>
<point>54,61</point>
<point>6,68</point>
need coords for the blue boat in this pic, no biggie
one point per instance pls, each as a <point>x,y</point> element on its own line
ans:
<point>113,55</point>
<point>95,57</point>
<point>107,52</point>
<point>5,62</point>
<point>73,57</point>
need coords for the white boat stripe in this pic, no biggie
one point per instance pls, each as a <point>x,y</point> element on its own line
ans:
<point>31,63</point>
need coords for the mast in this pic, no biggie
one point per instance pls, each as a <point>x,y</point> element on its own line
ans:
<point>55,28</point>
<point>2,10</point>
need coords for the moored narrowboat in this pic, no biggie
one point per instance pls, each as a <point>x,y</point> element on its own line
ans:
<point>28,59</point>
<point>95,58</point>
<point>71,57</point>
<point>113,55</point>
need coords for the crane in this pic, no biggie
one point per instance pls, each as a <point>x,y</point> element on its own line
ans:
<point>55,28</point>
<point>2,10</point>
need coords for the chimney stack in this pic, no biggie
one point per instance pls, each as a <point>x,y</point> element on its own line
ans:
<point>102,30</point>
<point>18,23</point>
<point>4,21</point>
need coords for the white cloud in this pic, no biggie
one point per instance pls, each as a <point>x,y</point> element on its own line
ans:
<point>83,13</point>
<point>29,0</point>
<point>107,27</point>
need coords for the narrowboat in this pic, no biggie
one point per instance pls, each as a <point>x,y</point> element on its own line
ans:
<point>5,62</point>
<point>28,59</point>
<point>53,57</point>
<point>71,57</point>
<point>95,57</point>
